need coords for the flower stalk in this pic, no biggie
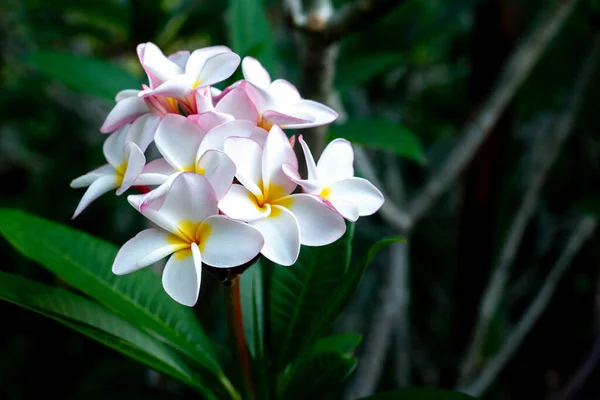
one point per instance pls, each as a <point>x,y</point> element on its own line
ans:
<point>235,324</point>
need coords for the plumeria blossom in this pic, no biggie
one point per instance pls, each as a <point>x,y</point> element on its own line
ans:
<point>332,179</point>
<point>191,232</point>
<point>265,200</point>
<point>267,103</point>
<point>178,83</point>
<point>124,151</point>
<point>186,147</point>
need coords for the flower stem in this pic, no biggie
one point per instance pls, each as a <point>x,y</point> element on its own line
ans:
<point>231,292</point>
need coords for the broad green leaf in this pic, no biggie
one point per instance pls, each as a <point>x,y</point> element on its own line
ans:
<point>87,75</point>
<point>317,376</point>
<point>341,343</point>
<point>250,33</point>
<point>419,394</point>
<point>380,134</point>
<point>361,69</point>
<point>85,262</point>
<point>251,291</point>
<point>300,293</point>
<point>96,322</point>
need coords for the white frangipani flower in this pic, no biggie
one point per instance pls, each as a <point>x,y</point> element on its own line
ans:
<point>192,232</point>
<point>332,179</point>
<point>267,103</point>
<point>124,151</point>
<point>187,148</point>
<point>265,201</point>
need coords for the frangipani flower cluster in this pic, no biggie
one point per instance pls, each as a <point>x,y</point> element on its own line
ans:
<point>226,187</point>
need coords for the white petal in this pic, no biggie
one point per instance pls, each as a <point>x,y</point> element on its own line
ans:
<point>114,147</point>
<point>204,100</point>
<point>285,120</point>
<point>284,92</point>
<point>210,119</point>
<point>135,165</point>
<point>240,204</point>
<point>199,57</point>
<point>89,178</point>
<point>125,111</point>
<point>155,62</point>
<point>319,224</point>
<point>277,152</point>
<point>156,172</point>
<point>313,174</point>
<point>177,138</point>
<point>97,188</point>
<point>178,87</point>
<point>259,135</point>
<point>308,186</point>
<point>182,275</point>
<point>216,137</point>
<point>255,73</point>
<point>358,191</point>
<point>227,243</point>
<point>335,164</point>
<point>259,97</point>
<point>180,58</point>
<point>218,168</point>
<point>146,248</point>
<point>141,132</point>
<point>218,68</point>
<point>190,198</point>
<point>319,114</point>
<point>123,94</point>
<point>282,236</point>
<point>246,154</point>
<point>238,104</point>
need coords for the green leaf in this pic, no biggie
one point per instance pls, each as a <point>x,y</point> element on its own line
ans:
<point>85,262</point>
<point>250,32</point>
<point>97,78</point>
<point>96,322</point>
<point>251,291</point>
<point>382,135</point>
<point>419,394</point>
<point>317,375</point>
<point>298,295</point>
<point>341,343</point>
<point>359,70</point>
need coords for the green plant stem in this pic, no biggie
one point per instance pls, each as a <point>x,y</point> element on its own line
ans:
<point>231,293</point>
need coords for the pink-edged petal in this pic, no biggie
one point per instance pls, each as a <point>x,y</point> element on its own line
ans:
<point>124,112</point>
<point>146,248</point>
<point>218,168</point>
<point>259,135</point>
<point>180,58</point>
<point>177,139</point>
<point>142,131</point>
<point>210,119</point>
<point>282,236</point>
<point>317,113</point>
<point>217,68</point>
<point>319,224</point>
<point>308,186</point>
<point>100,186</point>
<point>157,65</point>
<point>335,164</point>
<point>241,204</point>
<point>204,100</point>
<point>114,147</point>
<point>152,80</point>
<point>358,191</point>
<point>254,72</point>
<point>313,174</point>
<point>178,87</point>
<point>284,92</point>
<point>135,165</point>
<point>89,178</point>
<point>216,137</point>
<point>284,120</point>
<point>259,97</point>
<point>182,275</point>
<point>216,236</point>
<point>190,198</point>
<point>277,152</point>
<point>247,155</point>
<point>156,172</point>
<point>124,94</point>
<point>238,104</point>
<point>198,58</point>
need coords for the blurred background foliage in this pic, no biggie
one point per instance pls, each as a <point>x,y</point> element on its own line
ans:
<point>404,87</point>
